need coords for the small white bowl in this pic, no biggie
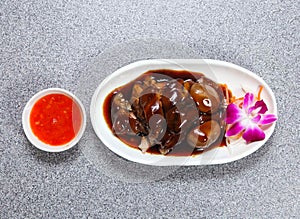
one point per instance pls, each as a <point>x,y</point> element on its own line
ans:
<point>26,121</point>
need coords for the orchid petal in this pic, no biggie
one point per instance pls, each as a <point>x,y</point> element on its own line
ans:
<point>253,133</point>
<point>260,106</point>
<point>248,101</point>
<point>256,119</point>
<point>233,114</point>
<point>235,129</point>
<point>267,119</point>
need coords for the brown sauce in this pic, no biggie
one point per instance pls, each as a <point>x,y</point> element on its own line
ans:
<point>166,104</point>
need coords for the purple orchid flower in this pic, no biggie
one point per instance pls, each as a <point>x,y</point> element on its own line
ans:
<point>248,119</point>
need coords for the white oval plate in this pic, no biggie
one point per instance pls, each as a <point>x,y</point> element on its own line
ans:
<point>222,72</point>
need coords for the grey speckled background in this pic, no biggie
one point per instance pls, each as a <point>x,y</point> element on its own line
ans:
<point>51,43</point>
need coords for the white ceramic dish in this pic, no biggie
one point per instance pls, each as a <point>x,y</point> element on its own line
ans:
<point>26,121</point>
<point>222,72</point>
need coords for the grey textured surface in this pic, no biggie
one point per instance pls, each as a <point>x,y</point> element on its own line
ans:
<point>52,43</point>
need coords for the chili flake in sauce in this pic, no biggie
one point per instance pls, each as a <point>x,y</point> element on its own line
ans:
<point>55,119</point>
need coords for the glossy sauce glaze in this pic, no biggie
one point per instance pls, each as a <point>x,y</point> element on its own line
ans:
<point>55,119</point>
<point>169,112</point>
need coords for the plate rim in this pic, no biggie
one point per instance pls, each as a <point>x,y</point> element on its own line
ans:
<point>186,160</point>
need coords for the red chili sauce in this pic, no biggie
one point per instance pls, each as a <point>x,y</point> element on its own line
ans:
<point>55,119</point>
